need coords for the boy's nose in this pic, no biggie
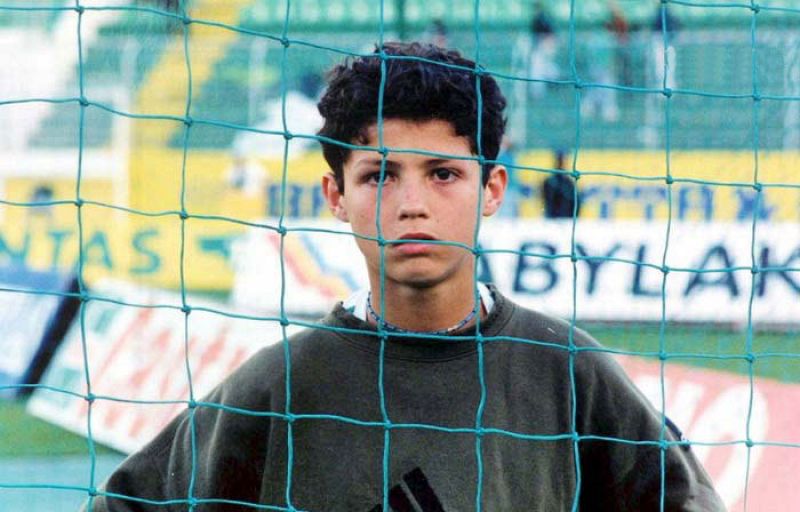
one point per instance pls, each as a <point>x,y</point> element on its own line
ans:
<point>413,200</point>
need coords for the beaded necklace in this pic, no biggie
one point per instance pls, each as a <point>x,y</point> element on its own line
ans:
<point>391,327</point>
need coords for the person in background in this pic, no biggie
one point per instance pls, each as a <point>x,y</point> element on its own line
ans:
<point>559,191</point>
<point>664,26</point>
<point>617,25</point>
<point>437,33</point>
<point>544,47</point>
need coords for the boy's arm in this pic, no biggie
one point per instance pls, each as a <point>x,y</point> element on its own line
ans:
<point>219,447</point>
<point>622,461</point>
<point>141,481</point>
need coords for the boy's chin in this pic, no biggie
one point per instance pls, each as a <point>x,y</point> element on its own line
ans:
<point>418,279</point>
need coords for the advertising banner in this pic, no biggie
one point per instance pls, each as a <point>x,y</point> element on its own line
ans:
<point>623,271</point>
<point>718,413</point>
<point>34,314</point>
<point>137,356</point>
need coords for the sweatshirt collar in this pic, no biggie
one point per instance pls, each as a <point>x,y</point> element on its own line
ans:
<point>366,337</point>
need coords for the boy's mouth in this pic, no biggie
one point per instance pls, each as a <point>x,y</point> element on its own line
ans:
<point>414,248</point>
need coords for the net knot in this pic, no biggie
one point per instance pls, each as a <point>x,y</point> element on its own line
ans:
<point>755,8</point>
<point>749,443</point>
<point>186,20</point>
<point>192,502</point>
<point>285,42</point>
<point>290,417</point>
<point>188,121</point>
<point>662,356</point>
<point>477,251</point>
<point>479,70</point>
<point>755,270</point>
<point>90,397</point>
<point>669,180</point>
<point>576,175</point>
<point>573,257</point>
<point>578,83</point>
<point>479,432</point>
<point>750,357</point>
<point>664,445</point>
<point>79,203</point>
<point>186,309</point>
<point>758,187</point>
<point>756,97</point>
<point>83,101</point>
<point>84,297</point>
<point>79,9</point>
<point>287,135</point>
<point>282,230</point>
<point>183,214</point>
<point>92,491</point>
<point>664,269</point>
<point>192,404</point>
<point>284,321</point>
<point>667,92</point>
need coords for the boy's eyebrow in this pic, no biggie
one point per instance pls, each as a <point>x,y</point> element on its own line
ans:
<point>392,165</point>
<point>376,162</point>
<point>437,161</point>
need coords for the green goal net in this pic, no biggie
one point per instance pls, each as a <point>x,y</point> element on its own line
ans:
<point>161,218</point>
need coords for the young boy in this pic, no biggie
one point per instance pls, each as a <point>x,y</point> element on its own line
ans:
<point>428,392</point>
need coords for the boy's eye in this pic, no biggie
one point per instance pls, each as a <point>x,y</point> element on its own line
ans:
<point>375,177</point>
<point>444,174</point>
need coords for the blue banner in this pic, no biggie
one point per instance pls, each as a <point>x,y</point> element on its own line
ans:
<point>35,310</point>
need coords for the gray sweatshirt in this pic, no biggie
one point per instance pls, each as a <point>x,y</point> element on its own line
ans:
<point>417,427</point>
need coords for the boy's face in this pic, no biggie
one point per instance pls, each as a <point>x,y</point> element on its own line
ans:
<point>423,197</point>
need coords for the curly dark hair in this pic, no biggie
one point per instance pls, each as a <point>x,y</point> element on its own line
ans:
<point>422,83</point>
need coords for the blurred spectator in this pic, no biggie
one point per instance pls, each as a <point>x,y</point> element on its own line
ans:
<point>664,27</point>
<point>247,176</point>
<point>437,33</point>
<point>302,117</point>
<point>617,24</point>
<point>598,49</point>
<point>544,46</point>
<point>560,192</point>
<point>40,198</point>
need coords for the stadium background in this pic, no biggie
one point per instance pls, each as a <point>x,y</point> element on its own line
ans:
<point>731,120</point>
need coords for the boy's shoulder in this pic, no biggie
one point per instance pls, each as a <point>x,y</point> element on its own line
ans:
<point>541,327</point>
<point>264,372</point>
<point>547,340</point>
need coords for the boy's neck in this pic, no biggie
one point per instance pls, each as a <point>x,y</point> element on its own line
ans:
<point>425,309</point>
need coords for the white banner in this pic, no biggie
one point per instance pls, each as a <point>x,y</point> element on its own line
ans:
<point>137,362</point>
<point>617,274</point>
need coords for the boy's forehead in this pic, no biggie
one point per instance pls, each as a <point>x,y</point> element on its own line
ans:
<point>437,137</point>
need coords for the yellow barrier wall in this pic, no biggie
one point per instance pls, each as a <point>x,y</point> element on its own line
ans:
<point>146,247</point>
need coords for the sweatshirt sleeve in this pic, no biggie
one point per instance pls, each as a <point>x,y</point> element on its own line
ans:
<point>622,456</point>
<point>141,483</point>
<point>215,450</point>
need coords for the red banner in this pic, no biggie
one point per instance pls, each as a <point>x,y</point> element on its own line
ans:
<point>718,412</point>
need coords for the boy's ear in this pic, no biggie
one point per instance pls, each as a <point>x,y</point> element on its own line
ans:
<point>334,197</point>
<point>494,190</point>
